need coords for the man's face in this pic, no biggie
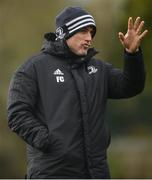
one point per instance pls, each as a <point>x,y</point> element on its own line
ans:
<point>80,42</point>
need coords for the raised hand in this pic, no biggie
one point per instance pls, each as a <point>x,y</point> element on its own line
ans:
<point>132,39</point>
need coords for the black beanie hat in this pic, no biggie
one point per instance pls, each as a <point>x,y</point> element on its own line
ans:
<point>71,20</point>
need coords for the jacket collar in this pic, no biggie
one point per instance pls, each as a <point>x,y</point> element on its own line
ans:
<point>61,49</point>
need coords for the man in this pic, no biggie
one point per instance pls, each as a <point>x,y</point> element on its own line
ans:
<point>57,99</point>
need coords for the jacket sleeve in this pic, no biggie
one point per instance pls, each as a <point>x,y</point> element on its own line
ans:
<point>22,96</point>
<point>127,82</point>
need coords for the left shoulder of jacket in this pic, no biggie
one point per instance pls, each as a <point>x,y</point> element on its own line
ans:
<point>97,63</point>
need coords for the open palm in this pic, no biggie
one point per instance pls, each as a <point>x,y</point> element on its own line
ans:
<point>132,39</point>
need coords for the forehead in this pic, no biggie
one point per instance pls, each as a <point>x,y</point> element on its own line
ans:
<point>89,28</point>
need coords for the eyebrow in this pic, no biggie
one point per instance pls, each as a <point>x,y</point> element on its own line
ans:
<point>88,28</point>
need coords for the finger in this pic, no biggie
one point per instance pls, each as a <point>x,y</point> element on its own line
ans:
<point>121,37</point>
<point>143,34</point>
<point>130,23</point>
<point>137,22</point>
<point>140,27</point>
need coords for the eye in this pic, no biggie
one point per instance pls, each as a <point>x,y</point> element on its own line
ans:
<point>92,32</point>
<point>87,30</point>
<point>83,30</point>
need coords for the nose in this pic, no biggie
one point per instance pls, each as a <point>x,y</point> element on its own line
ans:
<point>88,36</point>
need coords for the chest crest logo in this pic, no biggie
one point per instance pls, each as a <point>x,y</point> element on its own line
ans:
<point>92,69</point>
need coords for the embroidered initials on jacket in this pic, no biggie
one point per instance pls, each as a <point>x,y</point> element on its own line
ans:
<point>59,75</point>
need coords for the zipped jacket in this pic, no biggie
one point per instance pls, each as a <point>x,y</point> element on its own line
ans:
<point>57,103</point>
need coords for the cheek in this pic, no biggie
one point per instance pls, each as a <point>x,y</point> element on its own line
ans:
<point>76,44</point>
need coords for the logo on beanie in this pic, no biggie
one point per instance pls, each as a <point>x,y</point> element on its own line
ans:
<point>60,33</point>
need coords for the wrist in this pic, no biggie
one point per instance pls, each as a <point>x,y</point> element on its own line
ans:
<point>132,51</point>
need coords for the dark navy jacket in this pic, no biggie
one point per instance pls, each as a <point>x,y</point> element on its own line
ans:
<point>57,103</point>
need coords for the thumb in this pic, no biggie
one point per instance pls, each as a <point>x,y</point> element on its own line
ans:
<point>121,37</point>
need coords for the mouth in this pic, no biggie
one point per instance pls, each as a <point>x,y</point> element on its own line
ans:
<point>86,46</point>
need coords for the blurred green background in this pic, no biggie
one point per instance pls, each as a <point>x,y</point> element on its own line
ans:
<point>22,25</point>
